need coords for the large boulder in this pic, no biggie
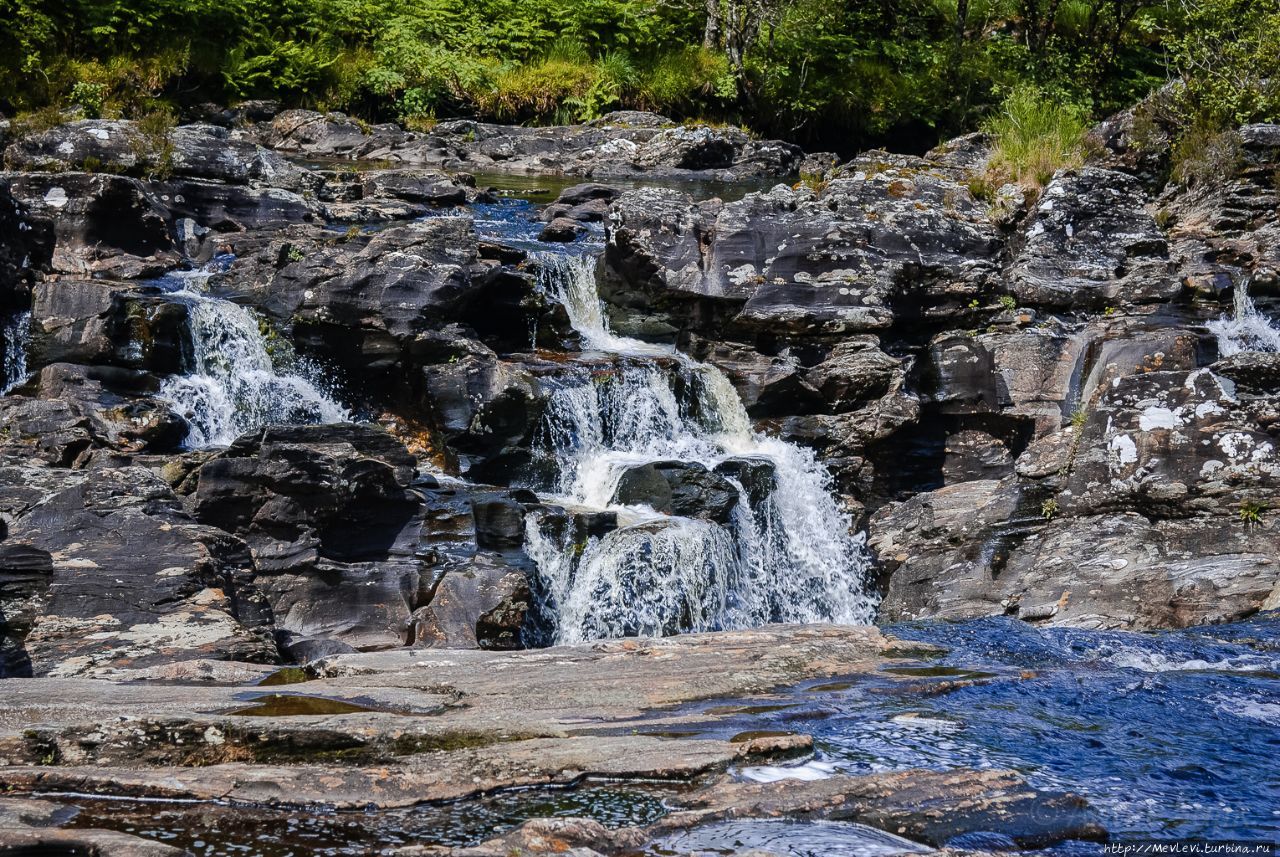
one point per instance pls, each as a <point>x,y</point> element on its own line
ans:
<point>678,488</point>
<point>331,523</point>
<point>102,225</point>
<point>796,262</point>
<point>101,569</point>
<point>1153,510</point>
<point>485,605</point>
<point>124,147</point>
<point>105,322</point>
<point>1090,243</point>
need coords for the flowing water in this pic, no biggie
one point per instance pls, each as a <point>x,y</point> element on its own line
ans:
<point>787,552</point>
<point>1246,329</point>
<point>240,379</point>
<point>13,363</point>
<point>1169,735</point>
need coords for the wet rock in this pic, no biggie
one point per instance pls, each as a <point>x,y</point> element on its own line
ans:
<point>757,476</point>
<point>104,569</point>
<point>561,230</point>
<point>103,322</point>
<point>1090,243</point>
<point>483,605</point>
<point>24,249</point>
<point>678,488</point>
<point>331,523</point>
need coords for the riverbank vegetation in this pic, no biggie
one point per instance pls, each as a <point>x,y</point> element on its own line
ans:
<point>829,74</point>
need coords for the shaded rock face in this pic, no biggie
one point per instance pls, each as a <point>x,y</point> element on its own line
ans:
<point>102,569</point>
<point>333,529</point>
<point>677,488</point>
<point>103,225</point>
<point>1137,518</point>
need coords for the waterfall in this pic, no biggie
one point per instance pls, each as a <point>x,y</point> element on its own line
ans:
<point>14,333</point>
<point>236,384</point>
<point>1247,329</point>
<point>787,554</point>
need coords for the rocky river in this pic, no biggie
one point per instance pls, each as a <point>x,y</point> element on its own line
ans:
<point>630,488</point>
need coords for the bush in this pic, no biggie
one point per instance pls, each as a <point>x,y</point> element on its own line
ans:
<point>1204,154</point>
<point>1034,136</point>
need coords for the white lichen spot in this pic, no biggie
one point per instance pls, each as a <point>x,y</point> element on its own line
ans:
<point>1157,418</point>
<point>1125,449</point>
<point>56,197</point>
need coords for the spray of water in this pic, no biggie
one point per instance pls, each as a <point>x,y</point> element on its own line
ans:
<point>234,385</point>
<point>1246,329</point>
<point>789,556</point>
<point>15,332</point>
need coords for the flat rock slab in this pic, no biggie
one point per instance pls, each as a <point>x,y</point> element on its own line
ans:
<point>394,729</point>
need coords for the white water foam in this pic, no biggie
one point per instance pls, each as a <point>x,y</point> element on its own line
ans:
<point>13,362</point>
<point>235,386</point>
<point>1246,329</point>
<point>791,557</point>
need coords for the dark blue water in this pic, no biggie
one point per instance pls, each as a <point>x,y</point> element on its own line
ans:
<point>1171,735</point>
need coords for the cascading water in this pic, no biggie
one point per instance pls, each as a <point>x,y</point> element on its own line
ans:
<point>235,385</point>
<point>1247,329</point>
<point>787,554</point>
<point>13,369</point>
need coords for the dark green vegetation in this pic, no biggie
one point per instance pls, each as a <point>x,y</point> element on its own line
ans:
<point>826,73</point>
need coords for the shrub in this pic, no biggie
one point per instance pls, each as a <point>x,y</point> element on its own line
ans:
<point>1034,136</point>
<point>1204,154</point>
<point>687,79</point>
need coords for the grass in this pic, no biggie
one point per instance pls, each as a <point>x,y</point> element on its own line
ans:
<point>1204,154</point>
<point>1034,136</point>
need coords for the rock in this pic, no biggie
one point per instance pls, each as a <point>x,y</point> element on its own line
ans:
<point>678,488</point>
<point>1153,513</point>
<point>326,135</point>
<point>24,249</point>
<point>579,194</point>
<point>624,144</point>
<point>481,606</point>
<point>100,843</point>
<point>102,322</point>
<point>1090,243</point>
<point>163,740</point>
<point>422,186</point>
<point>103,569</point>
<point>332,526</point>
<point>102,225</point>
<point>119,146</point>
<point>561,230</point>
<point>81,409</point>
<point>1225,232</point>
<point>797,263</point>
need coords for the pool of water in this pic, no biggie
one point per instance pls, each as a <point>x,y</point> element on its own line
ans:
<point>1169,735</point>
<point>224,830</point>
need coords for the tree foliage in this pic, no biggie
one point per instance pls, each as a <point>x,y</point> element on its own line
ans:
<point>829,73</point>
